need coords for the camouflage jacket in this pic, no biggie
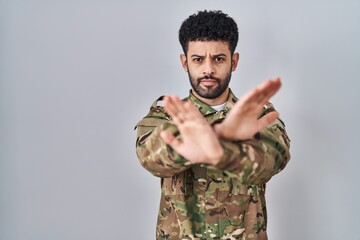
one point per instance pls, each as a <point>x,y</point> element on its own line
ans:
<point>226,201</point>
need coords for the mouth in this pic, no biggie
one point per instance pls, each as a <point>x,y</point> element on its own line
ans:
<point>208,82</point>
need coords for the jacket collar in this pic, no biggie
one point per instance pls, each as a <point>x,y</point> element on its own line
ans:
<point>208,110</point>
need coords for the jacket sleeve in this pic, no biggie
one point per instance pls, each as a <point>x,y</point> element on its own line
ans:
<point>153,153</point>
<point>256,160</point>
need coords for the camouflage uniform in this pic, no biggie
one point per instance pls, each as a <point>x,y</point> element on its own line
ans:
<point>226,201</point>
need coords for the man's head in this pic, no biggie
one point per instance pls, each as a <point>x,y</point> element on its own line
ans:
<point>209,39</point>
<point>209,26</point>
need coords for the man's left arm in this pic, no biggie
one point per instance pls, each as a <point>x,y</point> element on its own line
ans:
<point>257,159</point>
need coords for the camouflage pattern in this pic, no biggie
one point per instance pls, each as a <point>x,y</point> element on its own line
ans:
<point>226,201</point>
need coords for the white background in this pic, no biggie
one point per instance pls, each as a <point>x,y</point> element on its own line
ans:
<point>76,76</point>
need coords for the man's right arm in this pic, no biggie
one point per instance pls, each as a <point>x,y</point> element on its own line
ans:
<point>154,154</point>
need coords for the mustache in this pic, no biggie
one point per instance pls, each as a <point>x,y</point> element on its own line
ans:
<point>208,77</point>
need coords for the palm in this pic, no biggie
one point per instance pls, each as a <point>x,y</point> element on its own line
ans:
<point>199,143</point>
<point>242,122</point>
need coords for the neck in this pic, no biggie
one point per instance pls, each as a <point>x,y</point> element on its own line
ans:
<point>213,102</point>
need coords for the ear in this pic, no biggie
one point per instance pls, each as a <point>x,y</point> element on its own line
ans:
<point>234,61</point>
<point>184,63</point>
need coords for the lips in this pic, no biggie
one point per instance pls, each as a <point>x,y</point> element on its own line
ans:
<point>208,82</point>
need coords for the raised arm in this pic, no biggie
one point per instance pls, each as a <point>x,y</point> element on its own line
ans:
<point>154,154</point>
<point>243,121</point>
<point>199,143</point>
<point>256,148</point>
<point>257,159</point>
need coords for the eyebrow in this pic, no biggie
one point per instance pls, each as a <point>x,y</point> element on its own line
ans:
<point>220,55</point>
<point>216,55</point>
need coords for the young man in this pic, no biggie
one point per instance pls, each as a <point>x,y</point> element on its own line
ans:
<point>213,152</point>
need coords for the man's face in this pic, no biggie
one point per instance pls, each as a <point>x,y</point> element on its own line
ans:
<point>209,65</point>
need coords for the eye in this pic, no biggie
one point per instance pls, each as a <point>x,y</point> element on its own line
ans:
<point>219,59</point>
<point>197,59</point>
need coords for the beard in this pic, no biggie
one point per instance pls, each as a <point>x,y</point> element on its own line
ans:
<point>210,92</point>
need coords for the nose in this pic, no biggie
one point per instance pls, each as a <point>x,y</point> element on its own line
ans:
<point>209,68</point>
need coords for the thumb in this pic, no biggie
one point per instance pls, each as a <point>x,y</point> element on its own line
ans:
<point>267,119</point>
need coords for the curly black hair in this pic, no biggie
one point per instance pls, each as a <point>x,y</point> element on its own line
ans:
<point>207,26</point>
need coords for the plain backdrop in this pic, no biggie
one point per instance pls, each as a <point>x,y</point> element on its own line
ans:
<point>76,76</point>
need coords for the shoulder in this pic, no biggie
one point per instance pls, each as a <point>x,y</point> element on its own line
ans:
<point>156,115</point>
<point>267,108</point>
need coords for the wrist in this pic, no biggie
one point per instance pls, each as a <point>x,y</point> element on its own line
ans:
<point>216,157</point>
<point>218,130</point>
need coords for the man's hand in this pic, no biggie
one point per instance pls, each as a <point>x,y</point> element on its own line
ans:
<point>242,122</point>
<point>199,143</point>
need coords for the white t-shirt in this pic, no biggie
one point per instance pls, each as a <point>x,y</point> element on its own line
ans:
<point>219,107</point>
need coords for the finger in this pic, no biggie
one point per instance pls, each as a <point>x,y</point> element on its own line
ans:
<point>179,104</point>
<point>256,93</point>
<point>181,113</point>
<point>272,90</point>
<point>263,92</point>
<point>176,104</point>
<point>170,140</point>
<point>175,107</point>
<point>169,106</point>
<point>178,120</point>
<point>192,111</point>
<point>267,119</point>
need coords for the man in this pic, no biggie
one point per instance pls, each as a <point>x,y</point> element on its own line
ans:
<point>213,152</point>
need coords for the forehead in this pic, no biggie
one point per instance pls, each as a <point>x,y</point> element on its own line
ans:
<point>208,47</point>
